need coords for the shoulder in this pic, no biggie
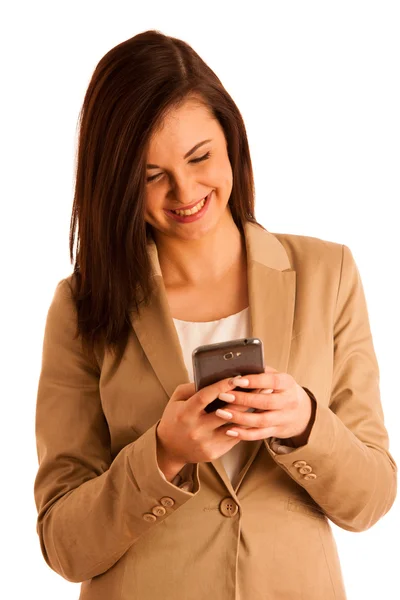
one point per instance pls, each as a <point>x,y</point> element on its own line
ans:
<point>311,252</point>
<point>62,301</point>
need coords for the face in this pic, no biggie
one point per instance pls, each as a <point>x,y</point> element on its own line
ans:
<point>187,161</point>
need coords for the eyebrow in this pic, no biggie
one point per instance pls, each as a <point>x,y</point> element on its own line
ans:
<point>149,166</point>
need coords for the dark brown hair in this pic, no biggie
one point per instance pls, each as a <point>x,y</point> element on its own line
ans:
<point>132,88</point>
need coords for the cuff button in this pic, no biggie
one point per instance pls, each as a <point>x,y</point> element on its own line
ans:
<point>167,501</point>
<point>299,463</point>
<point>306,469</point>
<point>149,518</point>
<point>159,511</point>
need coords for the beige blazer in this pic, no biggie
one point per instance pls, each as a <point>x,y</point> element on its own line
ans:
<point>107,517</point>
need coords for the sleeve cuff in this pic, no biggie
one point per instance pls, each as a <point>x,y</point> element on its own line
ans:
<point>184,479</point>
<point>149,476</point>
<point>280,446</point>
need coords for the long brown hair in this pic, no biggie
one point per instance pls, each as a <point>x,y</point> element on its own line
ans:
<point>131,89</point>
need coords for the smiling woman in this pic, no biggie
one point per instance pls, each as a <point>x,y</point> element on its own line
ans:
<point>141,492</point>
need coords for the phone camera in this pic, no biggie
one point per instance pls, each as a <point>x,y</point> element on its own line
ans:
<point>228,355</point>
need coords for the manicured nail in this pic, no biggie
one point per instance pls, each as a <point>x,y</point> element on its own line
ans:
<point>223,413</point>
<point>226,397</point>
<point>240,382</point>
<point>232,433</point>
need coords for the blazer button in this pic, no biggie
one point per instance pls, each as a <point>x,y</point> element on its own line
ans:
<point>306,469</point>
<point>159,511</point>
<point>310,476</point>
<point>149,518</point>
<point>299,463</point>
<point>167,501</point>
<point>228,507</point>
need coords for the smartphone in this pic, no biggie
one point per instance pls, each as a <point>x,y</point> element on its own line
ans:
<point>213,362</point>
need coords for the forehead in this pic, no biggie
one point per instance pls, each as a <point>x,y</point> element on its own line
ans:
<point>184,126</point>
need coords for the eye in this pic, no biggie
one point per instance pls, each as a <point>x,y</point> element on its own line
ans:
<point>194,160</point>
<point>153,177</point>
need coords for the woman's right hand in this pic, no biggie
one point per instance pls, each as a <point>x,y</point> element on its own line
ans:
<point>188,434</point>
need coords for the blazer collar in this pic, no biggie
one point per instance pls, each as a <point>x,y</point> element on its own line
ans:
<point>271,291</point>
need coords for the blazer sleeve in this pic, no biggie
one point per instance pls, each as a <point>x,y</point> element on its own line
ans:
<point>346,466</point>
<point>91,506</point>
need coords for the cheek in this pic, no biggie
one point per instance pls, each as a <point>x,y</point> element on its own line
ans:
<point>150,207</point>
<point>153,199</point>
<point>221,173</point>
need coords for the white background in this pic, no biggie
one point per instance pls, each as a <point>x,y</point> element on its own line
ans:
<point>318,87</point>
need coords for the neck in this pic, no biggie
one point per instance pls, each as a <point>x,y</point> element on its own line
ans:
<point>202,261</point>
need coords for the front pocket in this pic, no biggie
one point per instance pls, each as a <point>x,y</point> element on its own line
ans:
<point>307,508</point>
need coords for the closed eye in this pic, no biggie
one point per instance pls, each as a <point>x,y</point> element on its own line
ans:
<point>194,160</point>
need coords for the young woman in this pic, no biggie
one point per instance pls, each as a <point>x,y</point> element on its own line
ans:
<point>141,493</point>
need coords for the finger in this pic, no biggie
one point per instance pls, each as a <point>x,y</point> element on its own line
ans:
<point>184,391</point>
<point>228,406</point>
<point>258,400</point>
<point>253,434</point>
<point>259,420</point>
<point>227,420</point>
<point>264,391</point>
<point>278,382</point>
<point>209,393</point>
<point>238,407</point>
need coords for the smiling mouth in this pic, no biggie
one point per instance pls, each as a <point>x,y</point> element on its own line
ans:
<point>193,210</point>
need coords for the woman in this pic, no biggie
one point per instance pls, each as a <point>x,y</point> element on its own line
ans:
<point>141,493</point>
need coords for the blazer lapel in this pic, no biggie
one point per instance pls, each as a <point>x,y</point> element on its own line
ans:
<point>271,290</point>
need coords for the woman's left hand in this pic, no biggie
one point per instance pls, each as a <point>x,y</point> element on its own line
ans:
<point>289,410</point>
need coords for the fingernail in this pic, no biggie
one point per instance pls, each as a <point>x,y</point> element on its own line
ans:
<point>227,397</point>
<point>232,433</point>
<point>223,413</point>
<point>240,382</point>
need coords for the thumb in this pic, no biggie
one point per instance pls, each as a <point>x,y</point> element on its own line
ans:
<point>183,391</point>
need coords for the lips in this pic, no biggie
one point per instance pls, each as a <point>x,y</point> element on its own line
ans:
<point>193,217</point>
<point>189,206</point>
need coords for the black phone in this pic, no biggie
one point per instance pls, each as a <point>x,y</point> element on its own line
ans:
<point>213,362</point>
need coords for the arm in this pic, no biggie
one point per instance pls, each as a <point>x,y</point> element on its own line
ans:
<point>354,476</point>
<point>91,507</point>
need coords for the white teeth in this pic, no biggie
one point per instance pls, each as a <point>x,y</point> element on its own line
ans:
<point>194,210</point>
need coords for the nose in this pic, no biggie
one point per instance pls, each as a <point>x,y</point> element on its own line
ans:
<point>183,190</point>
